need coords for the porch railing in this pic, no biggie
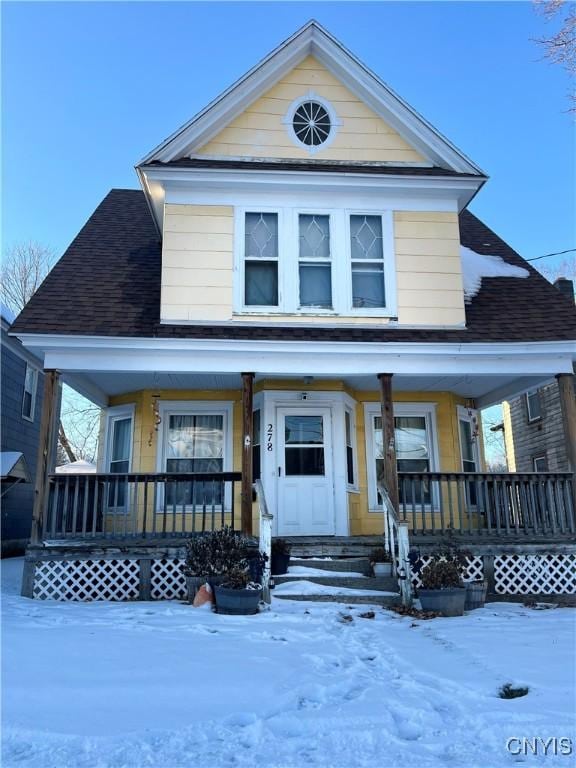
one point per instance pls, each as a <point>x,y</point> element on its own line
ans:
<point>140,505</point>
<point>397,542</point>
<point>476,502</point>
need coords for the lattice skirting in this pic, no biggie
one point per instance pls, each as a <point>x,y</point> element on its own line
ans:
<point>87,580</point>
<point>535,574</point>
<point>167,580</point>
<point>108,579</point>
<point>474,569</point>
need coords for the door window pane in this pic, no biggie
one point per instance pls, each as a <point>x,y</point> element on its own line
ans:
<point>305,461</point>
<point>303,430</point>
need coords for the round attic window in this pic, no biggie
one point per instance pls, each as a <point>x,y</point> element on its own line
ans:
<point>311,124</point>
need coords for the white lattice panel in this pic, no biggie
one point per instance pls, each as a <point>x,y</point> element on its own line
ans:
<point>535,574</point>
<point>474,569</point>
<point>87,580</point>
<point>167,580</point>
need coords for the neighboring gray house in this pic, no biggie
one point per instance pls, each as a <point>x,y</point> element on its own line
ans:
<point>22,385</point>
<point>534,434</point>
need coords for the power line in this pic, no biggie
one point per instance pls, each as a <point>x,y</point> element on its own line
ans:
<point>558,253</point>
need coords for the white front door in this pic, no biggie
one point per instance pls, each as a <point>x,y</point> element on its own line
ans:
<point>305,472</point>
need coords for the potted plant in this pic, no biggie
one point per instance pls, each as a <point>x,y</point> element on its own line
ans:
<point>381,562</point>
<point>209,556</point>
<point>237,594</point>
<point>442,589</point>
<point>280,556</point>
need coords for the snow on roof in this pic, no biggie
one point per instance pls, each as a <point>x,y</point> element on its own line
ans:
<point>76,467</point>
<point>475,266</point>
<point>13,466</point>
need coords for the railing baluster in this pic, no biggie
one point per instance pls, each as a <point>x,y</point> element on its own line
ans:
<point>155,504</point>
<point>75,505</point>
<point>95,508</point>
<point>203,507</point>
<point>213,506</point>
<point>145,503</point>
<point>232,521</point>
<point>65,507</point>
<point>413,494</point>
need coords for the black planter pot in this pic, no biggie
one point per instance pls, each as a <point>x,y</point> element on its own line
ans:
<point>448,602</point>
<point>279,563</point>
<point>237,602</point>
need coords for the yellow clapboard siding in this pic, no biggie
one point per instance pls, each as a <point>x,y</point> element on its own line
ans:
<point>197,263</point>
<point>423,247</point>
<point>217,260</point>
<point>432,216</point>
<point>174,209</point>
<point>173,276</point>
<point>260,132</point>
<point>420,281</point>
<point>431,299</point>
<point>220,225</point>
<point>430,230</point>
<point>206,242</point>
<point>211,296</point>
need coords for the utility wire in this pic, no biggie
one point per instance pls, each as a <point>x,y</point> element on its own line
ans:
<point>558,253</point>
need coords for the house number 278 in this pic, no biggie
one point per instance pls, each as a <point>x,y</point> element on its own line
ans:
<point>269,430</point>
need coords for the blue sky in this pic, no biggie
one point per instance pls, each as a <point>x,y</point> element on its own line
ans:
<point>90,88</point>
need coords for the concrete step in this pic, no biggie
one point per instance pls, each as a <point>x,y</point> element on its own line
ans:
<point>354,564</point>
<point>383,583</point>
<point>383,600</point>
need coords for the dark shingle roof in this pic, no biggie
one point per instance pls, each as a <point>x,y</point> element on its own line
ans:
<point>317,166</point>
<point>108,284</point>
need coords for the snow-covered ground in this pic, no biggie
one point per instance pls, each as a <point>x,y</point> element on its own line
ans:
<point>166,685</point>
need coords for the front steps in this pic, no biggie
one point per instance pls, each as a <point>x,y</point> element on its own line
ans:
<point>340,580</point>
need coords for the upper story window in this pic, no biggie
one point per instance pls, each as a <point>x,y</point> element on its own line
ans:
<point>315,270</point>
<point>533,406</point>
<point>261,260</point>
<point>315,262</point>
<point>367,254</point>
<point>29,396</point>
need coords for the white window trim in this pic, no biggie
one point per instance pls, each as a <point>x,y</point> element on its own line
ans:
<point>531,419</point>
<point>222,408</point>
<point>340,260</point>
<point>470,415</point>
<point>116,413</point>
<point>288,121</point>
<point>540,457</point>
<point>428,410</point>
<point>32,393</point>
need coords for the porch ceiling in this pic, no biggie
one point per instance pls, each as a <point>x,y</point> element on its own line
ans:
<point>486,389</point>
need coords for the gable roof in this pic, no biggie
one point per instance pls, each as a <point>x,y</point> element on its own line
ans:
<point>313,40</point>
<point>108,284</point>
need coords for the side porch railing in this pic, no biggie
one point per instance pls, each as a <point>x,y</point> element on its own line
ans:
<point>140,505</point>
<point>484,503</point>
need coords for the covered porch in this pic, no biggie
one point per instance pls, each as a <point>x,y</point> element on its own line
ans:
<point>185,435</point>
<point>348,444</point>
